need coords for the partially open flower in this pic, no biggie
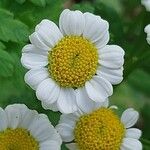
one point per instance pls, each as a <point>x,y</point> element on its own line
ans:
<point>147,30</point>
<point>25,129</point>
<point>100,129</point>
<point>73,60</point>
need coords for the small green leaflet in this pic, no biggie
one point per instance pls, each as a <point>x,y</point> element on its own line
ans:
<point>6,62</point>
<point>12,29</point>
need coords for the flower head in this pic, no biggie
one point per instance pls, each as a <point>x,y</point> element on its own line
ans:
<point>25,129</point>
<point>147,30</point>
<point>72,61</point>
<point>100,128</point>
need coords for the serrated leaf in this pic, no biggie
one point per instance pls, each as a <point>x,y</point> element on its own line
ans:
<point>41,3</point>
<point>20,1</point>
<point>12,29</point>
<point>6,64</point>
<point>32,15</point>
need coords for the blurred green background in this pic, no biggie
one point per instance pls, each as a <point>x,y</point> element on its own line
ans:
<point>127,20</point>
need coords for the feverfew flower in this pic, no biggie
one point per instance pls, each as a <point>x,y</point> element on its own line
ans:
<point>72,61</point>
<point>25,129</point>
<point>99,129</point>
<point>146,3</point>
<point>147,30</point>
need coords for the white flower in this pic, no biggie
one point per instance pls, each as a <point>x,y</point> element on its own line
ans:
<point>100,128</point>
<point>147,30</point>
<point>25,129</point>
<point>72,61</point>
<point>146,3</point>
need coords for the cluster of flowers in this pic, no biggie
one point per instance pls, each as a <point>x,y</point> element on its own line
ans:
<point>72,70</point>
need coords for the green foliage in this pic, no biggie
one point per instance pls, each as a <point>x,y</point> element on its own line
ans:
<point>39,2</point>
<point>6,63</point>
<point>12,29</point>
<point>20,1</point>
<point>84,7</point>
<point>127,20</point>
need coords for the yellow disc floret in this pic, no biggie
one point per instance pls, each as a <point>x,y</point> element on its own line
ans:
<point>73,61</point>
<point>17,139</point>
<point>100,130</point>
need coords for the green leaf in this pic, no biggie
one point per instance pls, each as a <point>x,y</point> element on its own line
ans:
<point>41,3</point>
<point>2,46</point>
<point>6,64</point>
<point>146,144</point>
<point>135,80</point>
<point>116,4</point>
<point>20,1</point>
<point>84,7</point>
<point>12,29</point>
<point>116,25</point>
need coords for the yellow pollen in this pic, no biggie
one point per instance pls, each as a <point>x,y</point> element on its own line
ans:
<point>73,61</point>
<point>100,130</point>
<point>17,139</point>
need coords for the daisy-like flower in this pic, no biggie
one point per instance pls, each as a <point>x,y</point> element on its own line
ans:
<point>70,59</point>
<point>146,3</point>
<point>147,30</point>
<point>100,128</point>
<point>25,129</point>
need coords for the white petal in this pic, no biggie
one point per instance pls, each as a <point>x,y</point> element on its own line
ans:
<point>66,102</point>
<point>23,110</point>
<point>3,120</point>
<point>148,39</point>
<point>147,30</point>
<point>113,107</point>
<point>146,3</point>
<point>66,132</point>
<point>35,76</point>
<point>69,119</point>
<point>48,32</point>
<point>33,57</point>
<point>37,41</point>
<point>72,146</point>
<point>48,91</point>
<point>72,22</point>
<point>28,119</point>
<point>102,41</point>
<point>133,133</point>
<point>114,76</point>
<point>42,129</point>
<point>13,115</point>
<point>111,56</point>
<point>129,117</point>
<point>50,145</point>
<point>98,89</point>
<point>85,103</point>
<point>30,48</point>
<point>131,144</point>
<point>95,28</point>
<point>48,106</point>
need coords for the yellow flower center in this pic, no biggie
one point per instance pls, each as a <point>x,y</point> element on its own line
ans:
<point>17,139</point>
<point>100,130</point>
<point>73,61</point>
